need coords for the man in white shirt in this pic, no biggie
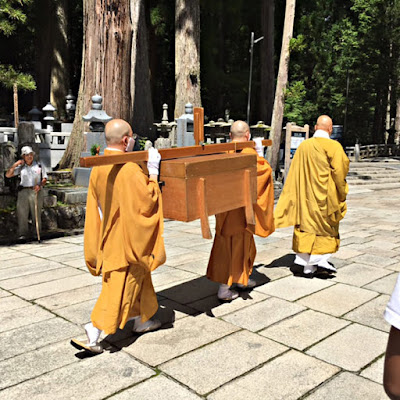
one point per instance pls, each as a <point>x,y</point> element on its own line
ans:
<point>30,195</point>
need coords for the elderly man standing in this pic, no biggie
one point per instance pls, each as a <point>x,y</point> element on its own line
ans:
<point>123,240</point>
<point>30,195</point>
<point>234,251</point>
<point>313,199</point>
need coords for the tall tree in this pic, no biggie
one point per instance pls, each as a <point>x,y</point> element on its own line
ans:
<point>59,75</point>
<point>187,54</point>
<point>277,116</point>
<point>112,64</point>
<point>267,60</point>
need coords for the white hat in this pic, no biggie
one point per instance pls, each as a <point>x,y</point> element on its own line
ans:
<point>26,150</point>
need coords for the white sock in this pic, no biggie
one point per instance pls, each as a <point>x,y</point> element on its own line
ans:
<point>92,334</point>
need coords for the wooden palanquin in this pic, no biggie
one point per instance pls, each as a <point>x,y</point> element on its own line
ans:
<point>196,187</point>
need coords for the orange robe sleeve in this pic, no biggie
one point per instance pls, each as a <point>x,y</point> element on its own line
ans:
<point>142,218</point>
<point>92,227</point>
<point>264,208</point>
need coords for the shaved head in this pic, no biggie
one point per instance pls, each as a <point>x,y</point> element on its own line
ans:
<point>116,130</point>
<point>240,130</point>
<point>325,123</point>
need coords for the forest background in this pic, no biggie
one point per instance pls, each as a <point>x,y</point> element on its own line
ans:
<point>344,59</point>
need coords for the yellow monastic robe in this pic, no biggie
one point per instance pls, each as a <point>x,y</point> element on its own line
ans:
<point>233,253</point>
<point>125,245</point>
<point>313,199</point>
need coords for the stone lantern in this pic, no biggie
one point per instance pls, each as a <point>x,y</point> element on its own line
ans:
<point>185,127</point>
<point>49,110</point>
<point>260,130</point>
<point>70,106</point>
<point>35,114</point>
<point>97,116</point>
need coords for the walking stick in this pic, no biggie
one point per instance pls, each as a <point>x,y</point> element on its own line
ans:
<point>36,216</point>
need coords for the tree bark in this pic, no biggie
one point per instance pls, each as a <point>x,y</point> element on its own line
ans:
<point>277,115</point>
<point>110,67</point>
<point>187,54</point>
<point>44,31</point>
<point>142,106</point>
<point>59,76</point>
<point>267,60</point>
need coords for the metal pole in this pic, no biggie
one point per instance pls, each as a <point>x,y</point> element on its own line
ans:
<point>250,76</point>
<point>347,100</point>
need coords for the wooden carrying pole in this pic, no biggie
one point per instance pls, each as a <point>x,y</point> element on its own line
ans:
<point>198,120</point>
<point>168,154</point>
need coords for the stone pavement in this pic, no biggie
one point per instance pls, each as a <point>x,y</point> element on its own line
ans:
<point>289,338</point>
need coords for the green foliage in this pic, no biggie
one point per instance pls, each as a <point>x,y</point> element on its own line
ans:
<point>142,142</point>
<point>297,108</point>
<point>93,149</point>
<point>9,77</point>
<point>11,14</point>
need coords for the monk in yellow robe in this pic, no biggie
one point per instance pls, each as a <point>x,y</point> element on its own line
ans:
<point>313,199</point>
<point>234,251</point>
<point>123,240</point>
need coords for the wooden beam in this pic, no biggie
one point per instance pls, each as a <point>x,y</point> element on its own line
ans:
<point>168,154</point>
<point>198,125</point>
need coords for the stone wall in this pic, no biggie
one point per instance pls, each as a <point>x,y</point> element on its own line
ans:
<point>65,217</point>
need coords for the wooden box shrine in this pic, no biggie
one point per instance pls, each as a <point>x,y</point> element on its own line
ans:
<point>196,187</point>
<point>202,180</point>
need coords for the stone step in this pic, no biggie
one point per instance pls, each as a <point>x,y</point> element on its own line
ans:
<point>71,195</point>
<point>373,181</point>
<point>375,186</point>
<point>60,176</point>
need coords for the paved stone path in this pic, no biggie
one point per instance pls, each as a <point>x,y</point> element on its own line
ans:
<point>289,338</point>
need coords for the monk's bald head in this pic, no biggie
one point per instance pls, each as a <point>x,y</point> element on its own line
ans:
<point>240,131</point>
<point>116,130</point>
<point>325,123</point>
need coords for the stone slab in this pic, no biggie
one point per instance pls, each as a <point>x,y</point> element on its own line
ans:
<point>70,297</point>
<point>35,363</point>
<point>214,367</point>
<point>346,253</point>
<point>292,288</point>
<point>158,388</point>
<point>56,250</point>
<point>359,274</point>
<point>11,303</point>
<point>188,257</point>
<point>11,255</point>
<point>376,261</point>
<point>162,279</point>
<point>347,348</point>
<point>3,293</point>
<point>384,244</point>
<point>338,299</point>
<point>273,273</point>
<point>57,286</point>
<point>92,379</point>
<point>374,372</point>
<point>349,386</point>
<point>34,336</point>
<point>287,377</point>
<point>272,311</point>
<point>24,270</point>
<point>214,307</point>
<point>187,334</point>
<point>304,329</point>
<point>77,313</point>
<point>198,267</point>
<point>191,291</point>
<point>371,314</point>
<point>22,317</point>
<point>34,279</point>
<point>27,260</point>
<point>384,285</point>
